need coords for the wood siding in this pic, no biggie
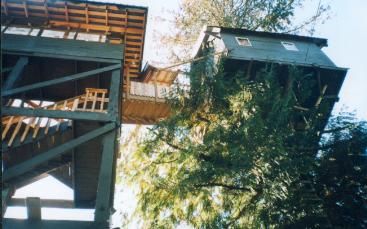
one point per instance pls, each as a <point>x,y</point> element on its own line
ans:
<point>271,50</point>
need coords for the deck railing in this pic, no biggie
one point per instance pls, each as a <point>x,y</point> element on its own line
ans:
<point>153,90</point>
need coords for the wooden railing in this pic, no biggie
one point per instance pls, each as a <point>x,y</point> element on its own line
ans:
<point>151,90</point>
<point>93,101</point>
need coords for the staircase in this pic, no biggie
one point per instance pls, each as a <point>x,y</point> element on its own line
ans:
<point>25,137</point>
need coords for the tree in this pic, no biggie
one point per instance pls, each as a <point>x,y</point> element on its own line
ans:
<point>231,155</point>
<point>341,177</point>
<point>264,15</point>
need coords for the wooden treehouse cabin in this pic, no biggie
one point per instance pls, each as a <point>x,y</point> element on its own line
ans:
<point>245,53</point>
<point>249,51</point>
<point>71,75</point>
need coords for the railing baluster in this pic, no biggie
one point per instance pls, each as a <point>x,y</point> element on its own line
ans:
<point>17,128</point>
<point>10,121</point>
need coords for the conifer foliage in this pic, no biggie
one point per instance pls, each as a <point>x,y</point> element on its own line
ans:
<point>231,156</point>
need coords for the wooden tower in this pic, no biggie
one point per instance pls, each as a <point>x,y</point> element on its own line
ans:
<point>71,76</point>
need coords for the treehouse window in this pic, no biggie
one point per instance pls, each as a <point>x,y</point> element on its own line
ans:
<point>243,41</point>
<point>289,46</point>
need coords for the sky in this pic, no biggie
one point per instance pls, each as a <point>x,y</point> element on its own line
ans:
<point>346,31</point>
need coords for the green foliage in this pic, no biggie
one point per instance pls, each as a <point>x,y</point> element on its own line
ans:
<point>230,156</point>
<point>341,177</point>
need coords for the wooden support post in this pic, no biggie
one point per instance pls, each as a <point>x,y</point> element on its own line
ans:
<point>102,101</point>
<point>54,152</point>
<point>115,96</point>
<point>6,194</point>
<point>73,77</point>
<point>37,127</point>
<point>15,73</point>
<point>33,208</point>
<point>128,82</point>
<point>30,123</point>
<point>5,131</point>
<point>248,72</point>
<point>94,101</point>
<point>105,180</point>
<point>155,88</point>
<point>17,128</point>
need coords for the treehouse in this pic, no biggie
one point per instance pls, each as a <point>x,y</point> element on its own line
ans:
<point>249,51</point>
<point>71,75</point>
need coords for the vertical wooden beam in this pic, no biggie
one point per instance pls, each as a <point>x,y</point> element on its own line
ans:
<point>86,16</point>
<point>15,73</point>
<point>105,179</point>
<point>5,8</point>
<point>46,8</point>
<point>155,87</point>
<point>17,128</point>
<point>102,101</point>
<point>5,131</point>
<point>25,8</point>
<point>33,208</point>
<point>126,70</point>
<point>6,194</point>
<point>115,96</point>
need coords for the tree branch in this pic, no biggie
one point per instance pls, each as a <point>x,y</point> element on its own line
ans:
<point>227,186</point>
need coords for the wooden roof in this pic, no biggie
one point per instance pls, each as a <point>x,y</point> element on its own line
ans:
<point>121,23</point>
<point>321,42</point>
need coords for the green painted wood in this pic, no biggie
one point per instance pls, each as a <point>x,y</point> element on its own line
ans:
<point>54,152</point>
<point>3,70</point>
<point>6,194</point>
<point>270,49</point>
<point>60,56</point>
<point>64,79</point>
<point>50,224</point>
<point>15,73</point>
<point>53,46</point>
<point>78,115</point>
<point>45,203</point>
<point>105,180</point>
<point>33,205</point>
<point>115,96</point>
